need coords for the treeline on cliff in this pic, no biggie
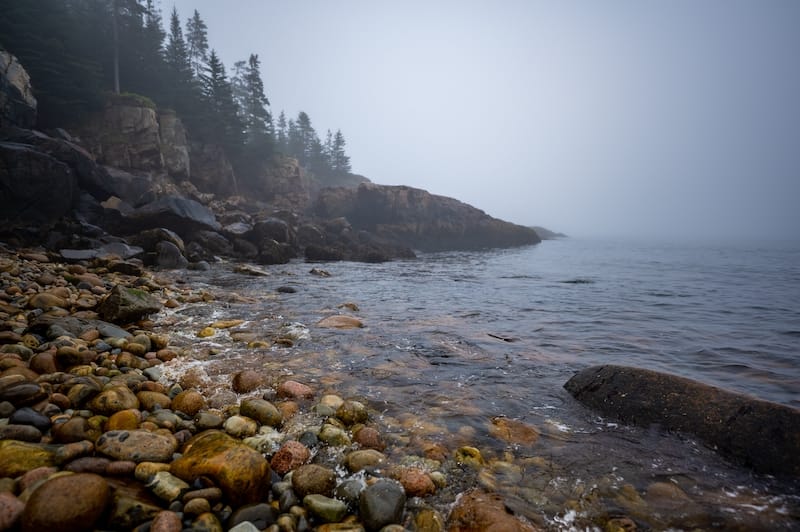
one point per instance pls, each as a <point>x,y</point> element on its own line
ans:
<point>81,53</point>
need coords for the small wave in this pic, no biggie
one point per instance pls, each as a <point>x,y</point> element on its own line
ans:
<point>794,334</point>
<point>578,280</point>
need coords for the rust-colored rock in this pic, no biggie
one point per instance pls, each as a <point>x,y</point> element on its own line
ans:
<point>242,473</point>
<point>478,511</point>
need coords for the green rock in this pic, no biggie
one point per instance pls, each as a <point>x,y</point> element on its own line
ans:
<point>325,508</point>
<point>18,457</point>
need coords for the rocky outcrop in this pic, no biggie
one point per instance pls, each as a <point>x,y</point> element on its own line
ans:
<point>212,172</point>
<point>285,185</point>
<point>126,135</point>
<point>17,103</point>
<point>759,434</point>
<point>35,186</point>
<point>91,177</point>
<point>421,220</point>
<point>174,146</point>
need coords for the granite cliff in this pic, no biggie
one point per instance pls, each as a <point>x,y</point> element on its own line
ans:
<point>131,173</point>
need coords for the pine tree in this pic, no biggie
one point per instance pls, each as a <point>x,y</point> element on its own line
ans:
<point>340,161</point>
<point>257,119</point>
<point>282,133</point>
<point>305,137</point>
<point>182,92</point>
<point>197,43</point>
<point>222,109</point>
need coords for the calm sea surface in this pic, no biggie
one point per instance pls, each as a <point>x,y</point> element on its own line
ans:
<point>453,340</point>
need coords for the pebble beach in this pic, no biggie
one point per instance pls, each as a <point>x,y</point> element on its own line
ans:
<point>105,424</point>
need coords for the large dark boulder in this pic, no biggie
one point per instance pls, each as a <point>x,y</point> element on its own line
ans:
<point>420,220</point>
<point>181,215</point>
<point>91,177</point>
<point>758,434</point>
<point>35,186</point>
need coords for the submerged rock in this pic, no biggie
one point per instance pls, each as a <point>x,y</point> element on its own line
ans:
<point>477,511</point>
<point>758,434</point>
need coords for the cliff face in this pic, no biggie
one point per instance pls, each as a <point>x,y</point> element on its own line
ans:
<point>136,170</point>
<point>17,103</point>
<point>420,220</point>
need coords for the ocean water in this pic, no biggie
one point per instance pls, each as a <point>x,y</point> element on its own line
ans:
<point>454,340</point>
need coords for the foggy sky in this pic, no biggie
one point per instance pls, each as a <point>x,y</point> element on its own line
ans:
<point>626,118</point>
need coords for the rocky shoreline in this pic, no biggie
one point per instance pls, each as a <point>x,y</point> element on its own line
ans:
<point>87,408</point>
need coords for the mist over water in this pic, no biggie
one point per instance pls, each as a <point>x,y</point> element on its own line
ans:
<point>668,119</point>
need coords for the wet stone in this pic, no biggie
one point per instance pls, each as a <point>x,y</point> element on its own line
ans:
<point>124,420</point>
<point>415,481</point>
<point>313,479</point>
<point>88,464</point>
<point>74,430</point>
<point>369,438</point>
<point>325,508</point>
<point>25,433</point>
<point>113,400</point>
<point>29,416</point>
<point>166,521</point>
<point>382,504</point>
<point>207,522</point>
<point>294,390</point>
<point>261,515</point>
<point>240,426</point>
<point>242,473</point>
<point>333,435</point>
<point>10,510</point>
<point>262,411</point>
<point>248,380</point>
<point>137,445</point>
<point>207,420</point>
<point>352,412</point>
<point>23,394</point>
<point>18,457</point>
<point>291,455</point>
<point>362,459</point>
<point>53,506</point>
<point>190,402</point>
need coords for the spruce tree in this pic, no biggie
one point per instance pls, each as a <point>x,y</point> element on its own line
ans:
<point>197,43</point>
<point>258,121</point>
<point>282,133</point>
<point>340,161</point>
<point>223,115</point>
<point>182,92</point>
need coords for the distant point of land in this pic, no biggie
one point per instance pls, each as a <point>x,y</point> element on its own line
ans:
<point>547,234</point>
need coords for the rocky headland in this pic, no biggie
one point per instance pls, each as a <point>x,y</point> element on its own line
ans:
<point>129,175</point>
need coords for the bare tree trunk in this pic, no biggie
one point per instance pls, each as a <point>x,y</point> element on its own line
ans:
<point>116,45</point>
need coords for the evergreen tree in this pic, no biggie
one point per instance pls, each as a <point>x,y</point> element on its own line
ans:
<point>177,52</point>
<point>328,146</point>
<point>282,133</point>
<point>294,144</point>
<point>257,119</point>
<point>197,43</point>
<point>224,121</point>
<point>305,138</point>
<point>182,93</point>
<point>340,161</point>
